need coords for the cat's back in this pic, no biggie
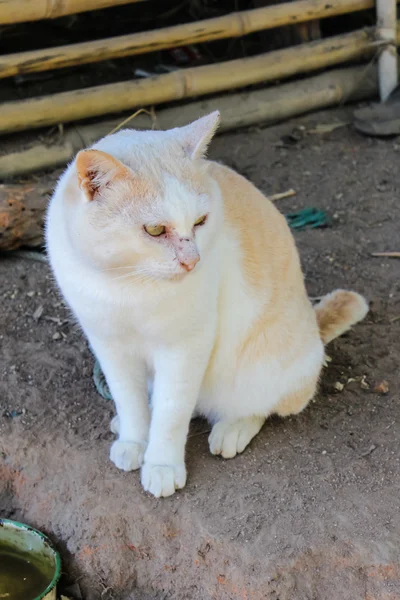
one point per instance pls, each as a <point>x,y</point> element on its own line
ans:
<point>267,247</point>
<point>246,207</point>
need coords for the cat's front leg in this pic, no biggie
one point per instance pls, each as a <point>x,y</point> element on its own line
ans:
<point>178,376</point>
<point>126,376</point>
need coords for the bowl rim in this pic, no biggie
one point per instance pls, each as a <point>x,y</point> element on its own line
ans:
<point>57,571</point>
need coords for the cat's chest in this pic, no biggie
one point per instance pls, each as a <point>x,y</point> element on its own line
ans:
<point>138,317</point>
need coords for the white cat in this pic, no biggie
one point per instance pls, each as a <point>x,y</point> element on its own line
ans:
<point>183,275</point>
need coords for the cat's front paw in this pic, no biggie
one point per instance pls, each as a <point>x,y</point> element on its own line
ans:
<point>163,480</point>
<point>127,456</point>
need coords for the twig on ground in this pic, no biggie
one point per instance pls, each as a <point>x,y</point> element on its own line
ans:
<point>151,114</point>
<point>282,195</point>
<point>199,433</point>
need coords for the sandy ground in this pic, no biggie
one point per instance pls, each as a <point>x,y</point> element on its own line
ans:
<point>311,510</point>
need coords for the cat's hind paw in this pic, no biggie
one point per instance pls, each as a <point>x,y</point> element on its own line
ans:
<point>127,456</point>
<point>229,438</point>
<point>163,480</point>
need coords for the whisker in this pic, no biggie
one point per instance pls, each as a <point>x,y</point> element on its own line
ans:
<point>131,274</point>
<point>118,268</point>
<point>138,276</point>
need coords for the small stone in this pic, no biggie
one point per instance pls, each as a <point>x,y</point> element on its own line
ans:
<point>381,387</point>
<point>38,313</point>
<point>339,386</point>
<point>323,451</point>
<point>364,385</point>
<point>56,336</point>
<point>30,294</point>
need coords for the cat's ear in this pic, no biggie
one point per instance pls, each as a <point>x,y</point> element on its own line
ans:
<point>197,136</point>
<point>96,170</point>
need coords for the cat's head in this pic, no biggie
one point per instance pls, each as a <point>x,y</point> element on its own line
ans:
<point>147,205</point>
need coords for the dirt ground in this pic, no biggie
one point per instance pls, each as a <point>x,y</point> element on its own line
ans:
<point>311,510</point>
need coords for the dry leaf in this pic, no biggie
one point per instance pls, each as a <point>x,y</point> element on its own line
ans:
<point>328,127</point>
<point>381,387</point>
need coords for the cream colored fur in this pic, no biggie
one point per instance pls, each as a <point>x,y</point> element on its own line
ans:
<point>215,318</point>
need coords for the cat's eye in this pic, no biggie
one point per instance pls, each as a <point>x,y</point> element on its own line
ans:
<point>201,221</point>
<point>154,230</point>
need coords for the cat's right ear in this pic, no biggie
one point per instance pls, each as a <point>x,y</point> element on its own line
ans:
<point>96,170</point>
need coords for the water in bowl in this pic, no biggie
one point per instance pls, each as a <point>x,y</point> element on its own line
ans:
<point>20,577</point>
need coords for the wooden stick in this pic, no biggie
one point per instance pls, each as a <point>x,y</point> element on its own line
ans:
<point>387,254</point>
<point>17,11</point>
<point>386,28</point>
<point>198,81</point>
<point>22,211</point>
<point>228,26</point>
<point>237,110</point>
<point>282,195</point>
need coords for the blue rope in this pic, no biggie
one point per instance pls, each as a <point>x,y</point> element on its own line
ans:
<point>308,218</point>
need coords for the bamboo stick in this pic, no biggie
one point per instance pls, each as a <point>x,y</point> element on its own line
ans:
<point>22,208</point>
<point>228,26</point>
<point>187,83</point>
<point>386,32</point>
<point>18,11</point>
<point>263,106</point>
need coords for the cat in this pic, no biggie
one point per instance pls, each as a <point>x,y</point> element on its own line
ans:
<point>185,277</point>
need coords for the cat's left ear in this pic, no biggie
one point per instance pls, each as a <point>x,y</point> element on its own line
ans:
<point>96,170</point>
<point>197,136</point>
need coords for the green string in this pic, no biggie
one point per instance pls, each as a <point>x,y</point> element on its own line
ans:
<point>308,218</point>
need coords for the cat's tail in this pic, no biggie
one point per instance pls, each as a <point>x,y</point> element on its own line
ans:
<point>338,311</point>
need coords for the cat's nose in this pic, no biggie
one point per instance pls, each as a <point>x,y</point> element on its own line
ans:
<point>190,264</point>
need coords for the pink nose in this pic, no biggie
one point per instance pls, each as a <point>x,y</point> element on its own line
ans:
<point>189,265</point>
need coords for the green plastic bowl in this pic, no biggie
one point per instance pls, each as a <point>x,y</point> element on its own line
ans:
<point>32,545</point>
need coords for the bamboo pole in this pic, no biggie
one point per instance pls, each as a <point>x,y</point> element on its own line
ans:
<point>18,11</point>
<point>237,110</point>
<point>386,32</point>
<point>22,208</point>
<point>187,83</point>
<point>228,26</point>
